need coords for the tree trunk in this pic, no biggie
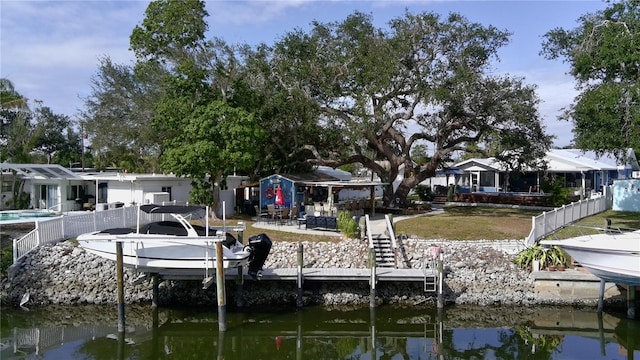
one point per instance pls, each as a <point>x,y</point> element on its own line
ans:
<point>401,193</point>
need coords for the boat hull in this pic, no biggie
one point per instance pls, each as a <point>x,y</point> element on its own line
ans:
<point>161,253</point>
<point>612,257</point>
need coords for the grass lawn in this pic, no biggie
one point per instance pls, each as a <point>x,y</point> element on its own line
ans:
<point>619,219</point>
<point>470,223</point>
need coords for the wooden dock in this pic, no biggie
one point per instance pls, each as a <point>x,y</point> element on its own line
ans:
<point>320,274</point>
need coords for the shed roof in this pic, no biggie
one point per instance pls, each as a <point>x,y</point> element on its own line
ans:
<point>306,177</point>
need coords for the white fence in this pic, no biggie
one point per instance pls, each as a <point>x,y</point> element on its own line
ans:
<point>548,222</point>
<point>30,343</point>
<point>69,226</point>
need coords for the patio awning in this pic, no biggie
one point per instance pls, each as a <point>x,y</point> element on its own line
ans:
<point>40,171</point>
<point>343,184</point>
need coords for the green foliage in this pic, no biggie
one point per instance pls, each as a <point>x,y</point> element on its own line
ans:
<point>169,29</point>
<point>216,139</point>
<point>424,192</point>
<point>53,135</point>
<point>419,154</point>
<point>525,258</point>
<point>347,225</point>
<point>603,54</point>
<point>124,98</point>
<point>546,256</point>
<point>6,259</point>
<point>557,256</point>
<point>559,194</point>
<point>370,83</point>
<point>201,192</point>
<point>22,200</point>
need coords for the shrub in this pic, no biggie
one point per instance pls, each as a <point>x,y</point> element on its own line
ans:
<point>424,192</point>
<point>559,193</point>
<point>546,256</point>
<point>347,225</point>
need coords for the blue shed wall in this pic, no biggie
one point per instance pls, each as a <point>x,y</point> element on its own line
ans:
<point>289,191</point>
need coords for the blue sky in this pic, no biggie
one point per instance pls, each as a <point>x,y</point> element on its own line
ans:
<point>50,49</point>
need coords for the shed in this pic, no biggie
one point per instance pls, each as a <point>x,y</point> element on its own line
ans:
<point>316,188</point>
<point>294,188</point>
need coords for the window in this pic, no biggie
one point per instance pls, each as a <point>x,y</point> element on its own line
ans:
<point>75,192</point>
<point>487,178</point>
<point>6,186</point>
<point>167,189</point>
<point>102,192</point>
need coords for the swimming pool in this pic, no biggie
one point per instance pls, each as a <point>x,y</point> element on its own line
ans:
<point>22,216</point>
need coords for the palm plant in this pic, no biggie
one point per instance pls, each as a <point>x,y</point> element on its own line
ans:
<point>545,256</point>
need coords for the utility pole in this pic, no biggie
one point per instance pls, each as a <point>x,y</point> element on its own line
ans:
<point>82,136</point>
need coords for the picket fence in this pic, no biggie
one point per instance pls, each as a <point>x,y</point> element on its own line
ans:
<point>550,221</point>
<point>72,225</point>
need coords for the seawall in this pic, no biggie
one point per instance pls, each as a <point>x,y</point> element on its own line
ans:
<point>476,272</point>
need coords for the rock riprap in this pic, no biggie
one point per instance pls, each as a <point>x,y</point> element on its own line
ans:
<point>476,272</point>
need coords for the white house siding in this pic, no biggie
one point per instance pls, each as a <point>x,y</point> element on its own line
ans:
<point>180,188</point>
<point>123,192</point>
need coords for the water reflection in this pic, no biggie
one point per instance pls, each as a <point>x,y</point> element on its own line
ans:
<point>315,333</point>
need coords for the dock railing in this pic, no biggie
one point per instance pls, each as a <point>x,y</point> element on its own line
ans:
<point>550,221</point>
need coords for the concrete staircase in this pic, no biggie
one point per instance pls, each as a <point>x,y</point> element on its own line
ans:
<point>383,251</point>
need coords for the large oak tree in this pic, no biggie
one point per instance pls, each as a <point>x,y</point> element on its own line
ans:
<point>604,54</point>
<point>424,81</point>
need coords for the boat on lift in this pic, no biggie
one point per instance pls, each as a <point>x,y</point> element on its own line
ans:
<point>612,255</point>
<point>174,244</point>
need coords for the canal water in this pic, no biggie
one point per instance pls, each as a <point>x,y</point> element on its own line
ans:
<point>456,332</point>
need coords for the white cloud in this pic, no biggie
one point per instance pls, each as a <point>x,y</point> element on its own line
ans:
<point>50,49</point>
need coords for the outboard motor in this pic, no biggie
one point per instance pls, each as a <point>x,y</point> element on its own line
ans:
<point>260,245</point>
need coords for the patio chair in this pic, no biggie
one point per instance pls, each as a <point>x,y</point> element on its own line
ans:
<point>260,215</point>
<point>271,212</point>
<point>294,214</point>
<point>283,216</point>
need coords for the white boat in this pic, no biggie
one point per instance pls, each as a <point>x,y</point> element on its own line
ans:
<point>613,256</point>
<point>170,245</point>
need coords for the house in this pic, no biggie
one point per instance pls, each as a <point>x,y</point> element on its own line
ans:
<point>583,171</point>
<point>132,189</point>
<point>57,188</point>
<point>48,186</point>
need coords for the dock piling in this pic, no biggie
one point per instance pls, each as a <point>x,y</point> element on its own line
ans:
<point>632,302</point>
<point>372,280</point>
<point>220,288</point>
<point>154,295</point>
<point>601,296</point>
<point>120,286</point>
<point>440,304</point>
<point>240,276</point>
<point>300,278</point>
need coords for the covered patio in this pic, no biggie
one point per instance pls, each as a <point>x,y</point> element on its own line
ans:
<point>314,199</point>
